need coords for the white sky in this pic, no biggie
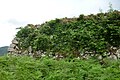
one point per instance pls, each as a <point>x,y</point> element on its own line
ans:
<point>17,13</point>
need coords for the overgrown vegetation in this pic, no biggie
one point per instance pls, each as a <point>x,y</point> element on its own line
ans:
<point>69,36</point>
<point>26,68</point>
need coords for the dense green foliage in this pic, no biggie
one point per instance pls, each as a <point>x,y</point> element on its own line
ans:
<point>92,33</point>
<point>3,50</point>
<point>26,68</point>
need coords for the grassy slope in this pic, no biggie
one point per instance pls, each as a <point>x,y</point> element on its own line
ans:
<point>26,68</point>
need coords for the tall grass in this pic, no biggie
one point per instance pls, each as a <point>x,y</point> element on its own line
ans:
<point>26,68</point>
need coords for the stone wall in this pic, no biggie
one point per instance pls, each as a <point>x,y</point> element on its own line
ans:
<point>13,49</point>
<point>114,53</point>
